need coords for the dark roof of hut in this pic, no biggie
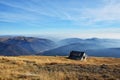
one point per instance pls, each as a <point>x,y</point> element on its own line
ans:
<point>76,53</point>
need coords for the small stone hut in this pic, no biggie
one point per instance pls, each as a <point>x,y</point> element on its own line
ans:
<point>77,55</point>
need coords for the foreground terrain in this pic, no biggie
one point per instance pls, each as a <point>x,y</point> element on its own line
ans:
<point>58,68</point>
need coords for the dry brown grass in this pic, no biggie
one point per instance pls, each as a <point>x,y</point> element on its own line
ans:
<point>58,68</point>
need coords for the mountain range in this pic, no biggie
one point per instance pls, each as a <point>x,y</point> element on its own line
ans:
<point>20,45</point>
<point>93,47</point>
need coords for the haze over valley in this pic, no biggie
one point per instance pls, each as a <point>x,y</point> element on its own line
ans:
<point>20,45</point>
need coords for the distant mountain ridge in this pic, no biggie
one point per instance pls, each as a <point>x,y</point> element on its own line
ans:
<point>104,42</point>
<point>93,47</point>
<point>20,45</point>
<point>27,45</point>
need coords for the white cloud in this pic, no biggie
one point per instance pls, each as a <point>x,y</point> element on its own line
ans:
<point>108,12</point>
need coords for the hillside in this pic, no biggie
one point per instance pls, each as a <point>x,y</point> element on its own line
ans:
<point>21,45</point>
<point>90,49</point>
<point>64,50</point>
<point>58,68</point>
<point>13,50</point>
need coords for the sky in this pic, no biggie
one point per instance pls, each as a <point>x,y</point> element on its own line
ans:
<point>61,18</point>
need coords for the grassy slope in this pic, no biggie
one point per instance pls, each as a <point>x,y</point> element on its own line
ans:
<point>58,68</point>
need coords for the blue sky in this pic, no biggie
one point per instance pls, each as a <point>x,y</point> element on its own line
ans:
<point>61,18</point>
